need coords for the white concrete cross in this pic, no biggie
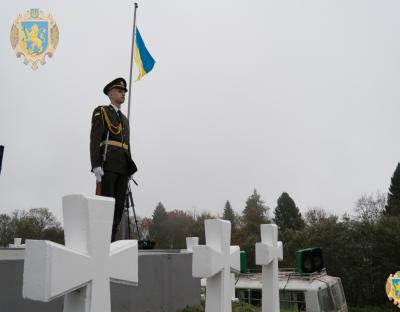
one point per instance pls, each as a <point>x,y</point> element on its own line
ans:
<point>17,243</point>
<point>215,261</point>
<point>267,254</point>
<point>83,268</point>
<point>190,242</point>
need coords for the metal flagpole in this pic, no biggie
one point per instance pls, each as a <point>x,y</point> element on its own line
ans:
<point>129,199</point>
<point>131,69</point>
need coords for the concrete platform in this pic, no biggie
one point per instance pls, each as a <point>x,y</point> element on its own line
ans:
<point>165,284</point>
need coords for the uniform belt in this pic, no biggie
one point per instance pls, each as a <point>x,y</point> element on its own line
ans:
<point>115,143</point>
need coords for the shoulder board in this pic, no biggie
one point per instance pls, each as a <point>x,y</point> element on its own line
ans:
<point>97,110</point>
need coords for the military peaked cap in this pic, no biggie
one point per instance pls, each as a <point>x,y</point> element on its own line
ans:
<point>119,83</point>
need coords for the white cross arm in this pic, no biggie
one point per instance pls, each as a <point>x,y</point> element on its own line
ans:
<point>124,262</point>
<point>206,261</point>
<point>190,242</point>
<point>49,270</point>
<point>266,253</point>
<point>269,248</point>
<point>235,259</point>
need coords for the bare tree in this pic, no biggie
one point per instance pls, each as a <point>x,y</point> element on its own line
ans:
<point>7,229</point>
<point>315,215</point>
<point>370,207</point>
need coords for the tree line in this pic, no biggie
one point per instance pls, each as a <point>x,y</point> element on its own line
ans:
<point>362,248</point>
<point>37,223</point>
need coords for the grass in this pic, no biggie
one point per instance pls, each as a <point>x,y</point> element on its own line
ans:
<point>244,307</point>
<point>384,308</point>
<point>236,307</point>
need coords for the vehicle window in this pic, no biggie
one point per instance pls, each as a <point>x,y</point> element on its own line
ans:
<point>338,294</point>
<point>243,295</point>
<point>255,297</point>
<point>325,300</point>
<point>292,301</point>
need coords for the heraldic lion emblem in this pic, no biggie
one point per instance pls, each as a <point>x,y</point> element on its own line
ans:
<point>34,36</point>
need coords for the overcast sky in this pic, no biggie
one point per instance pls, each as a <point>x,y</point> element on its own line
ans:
<point>296,96</point>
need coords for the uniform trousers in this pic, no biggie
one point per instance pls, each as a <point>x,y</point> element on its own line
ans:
<point>115,185</point>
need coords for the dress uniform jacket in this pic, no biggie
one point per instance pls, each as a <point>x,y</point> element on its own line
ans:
<point>118,158</point>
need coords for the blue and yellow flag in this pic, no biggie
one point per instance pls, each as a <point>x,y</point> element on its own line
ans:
<point>143,59</point>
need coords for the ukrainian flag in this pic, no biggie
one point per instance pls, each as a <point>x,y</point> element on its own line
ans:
<point>143,59</point>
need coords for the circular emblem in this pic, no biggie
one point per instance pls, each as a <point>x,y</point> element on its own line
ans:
<point>34,36</point>
<point>393,288</point>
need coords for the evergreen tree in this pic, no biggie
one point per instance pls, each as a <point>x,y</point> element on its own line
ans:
<point>287,215</point>
<point>229,214</point>
<point>158,229</point>
<point>393,204</point>
<point>159,214</point>
<point>254,214</point>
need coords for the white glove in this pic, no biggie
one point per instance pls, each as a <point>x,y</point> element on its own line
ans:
<point>98,172</point>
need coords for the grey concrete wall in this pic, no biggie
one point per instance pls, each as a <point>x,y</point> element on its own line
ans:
<point>165,285</point>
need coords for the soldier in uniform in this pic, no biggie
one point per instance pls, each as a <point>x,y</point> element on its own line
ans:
<point>110,152</point>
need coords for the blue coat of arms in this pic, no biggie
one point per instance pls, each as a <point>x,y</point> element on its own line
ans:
<point>34,36</point>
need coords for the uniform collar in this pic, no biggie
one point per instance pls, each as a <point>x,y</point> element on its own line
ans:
<point>115,107</point>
